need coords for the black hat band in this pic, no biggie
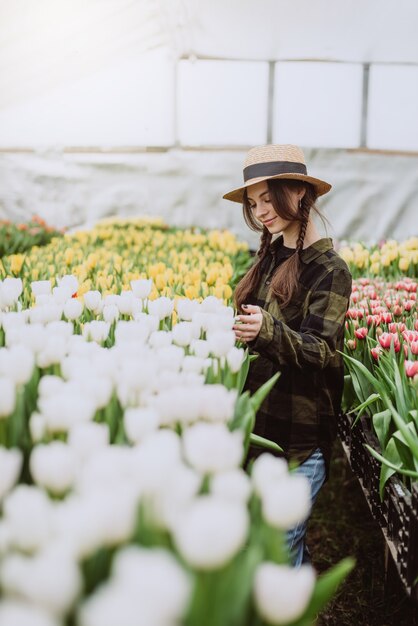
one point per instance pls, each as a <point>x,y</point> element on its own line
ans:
<point>272,168</point>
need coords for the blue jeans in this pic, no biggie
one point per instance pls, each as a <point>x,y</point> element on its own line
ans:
<point>314,470</point>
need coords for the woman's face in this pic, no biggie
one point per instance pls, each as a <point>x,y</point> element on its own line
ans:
<point>259,200</point>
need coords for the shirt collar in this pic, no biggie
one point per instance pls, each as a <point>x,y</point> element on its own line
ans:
<point>307,255</point>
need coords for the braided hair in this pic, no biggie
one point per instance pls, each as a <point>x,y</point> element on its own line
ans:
<point>286,278</point>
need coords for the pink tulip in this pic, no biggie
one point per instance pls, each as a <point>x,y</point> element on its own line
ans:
<point>411,368</point>
<point>386,340</point>
<point>375,352</point>
<point>361,333</point>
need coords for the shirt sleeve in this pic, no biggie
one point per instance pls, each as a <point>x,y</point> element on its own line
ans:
<point>315,343</point>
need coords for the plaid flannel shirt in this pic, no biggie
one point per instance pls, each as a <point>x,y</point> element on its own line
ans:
<point>301,341</point>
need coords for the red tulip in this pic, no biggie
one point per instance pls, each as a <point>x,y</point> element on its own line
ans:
<point>386,340</point>
<point>414,347</point>
<point>361,333</point>
<point>411,368</point>
<point>375,352</point>
<point>386,317</point>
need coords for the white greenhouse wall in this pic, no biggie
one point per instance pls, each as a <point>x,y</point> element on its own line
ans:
<point>222,103</point>
<point>318,104</point>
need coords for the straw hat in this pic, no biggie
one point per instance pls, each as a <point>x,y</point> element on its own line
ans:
<point>275,161</point>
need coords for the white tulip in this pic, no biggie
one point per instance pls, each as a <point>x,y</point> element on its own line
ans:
<point>69,282</point>
<point>63,410</point>
<point>154,460</point>
<point>211,304</point>
<point>44,299</point>
<point>93,301</point>
<point>126,302</point>
<point>53,351</point>
<point>200,348</point>
<point>17,363</point>
<point>109,466</point>
<point>10,467</point>
<point>193,364</point>
<point>220,342</point>
<point>61,328</point>
<point>85,438</point>
<point>160,339</point>
<point>267,470</point>
<point>179,405</point>
<point>186,308</point>
<point>161,307</point>
<point>111,299</point>
<point>170,357</point>
<point>27,510</point>
<point>45,314</point>
<point>50,385</point>
<point>11,289</point>
<point>287,503</point>
<point>210,532</point>
<point>111,604</point>
<point>212,448</point>
<point>18,613</point>
<point>282,593</point>
<point>110,313</point>
<point>96,330</point>
<point>232,485</point>
<point>172,495</point>
<point>156,577</point>
<point>7,396</point>
<point>218,403</point>
<point>33,336</point>
<point>61,295</point>
<point>37,427</point>
<point>235,358</point>
<point>53,466</point>
<point>51,580</point>
<point>139,423</point>
<point>13,319</point>
<point>40,287</point>
<point>149,320</point>
<point>183,333</point>
<point>73,309</point>
<point>131,332</point>
<point>141,287</point>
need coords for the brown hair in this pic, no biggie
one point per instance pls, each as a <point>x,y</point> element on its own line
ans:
<point>286,277</point>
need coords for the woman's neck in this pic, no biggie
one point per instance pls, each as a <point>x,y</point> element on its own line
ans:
<point>290,236</point>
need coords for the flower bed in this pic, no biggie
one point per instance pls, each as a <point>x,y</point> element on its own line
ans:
<point>181,262</point>
<point>18,238</point>
<point>387,260</point>
<point>396,511</point>
<point>380,435</point>
<point>123,501</point>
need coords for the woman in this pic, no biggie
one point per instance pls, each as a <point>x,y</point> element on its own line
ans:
<point>293,303</point>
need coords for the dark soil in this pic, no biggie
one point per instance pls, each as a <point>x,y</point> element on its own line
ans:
<point>341,525</point>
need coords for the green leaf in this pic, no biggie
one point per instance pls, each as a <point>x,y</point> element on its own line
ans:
<point>262,442</point>
<point>382,459</point>
<point>360,408</point>
<point>381,423</point>
<point>391,454</point>
<point>258,397</point>
<point>410,437</point>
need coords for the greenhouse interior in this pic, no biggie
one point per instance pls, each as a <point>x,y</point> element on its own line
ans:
<point>208,313</point>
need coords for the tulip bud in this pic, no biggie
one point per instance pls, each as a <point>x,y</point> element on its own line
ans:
<point>351,344</point>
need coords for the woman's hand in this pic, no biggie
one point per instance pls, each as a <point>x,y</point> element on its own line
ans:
<point>250,324</point>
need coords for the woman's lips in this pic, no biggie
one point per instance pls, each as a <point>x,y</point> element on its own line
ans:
<point>267,222</point>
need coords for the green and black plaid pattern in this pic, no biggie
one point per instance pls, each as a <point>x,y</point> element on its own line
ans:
<point>301,341</point>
